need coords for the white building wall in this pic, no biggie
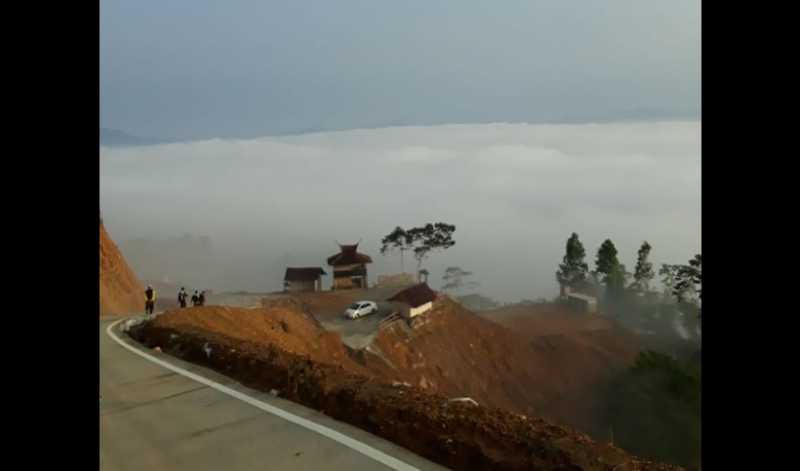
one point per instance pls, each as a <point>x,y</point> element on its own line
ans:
<point>415,311</point>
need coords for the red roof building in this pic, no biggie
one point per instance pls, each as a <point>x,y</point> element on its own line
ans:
<point>419,299</point>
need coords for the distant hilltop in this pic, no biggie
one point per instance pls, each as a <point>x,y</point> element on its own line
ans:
<point>117,138</point>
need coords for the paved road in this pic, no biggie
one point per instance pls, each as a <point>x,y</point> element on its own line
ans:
<point>356,333</point>
<point>152,418</point>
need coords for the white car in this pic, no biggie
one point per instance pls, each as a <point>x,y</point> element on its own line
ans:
<point>360,309</point>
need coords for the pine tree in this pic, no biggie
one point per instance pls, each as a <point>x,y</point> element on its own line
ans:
<point>644,269</point>
<point>613,272</point>
<point>573,270</point>
<point>606,262</point>
<point>689,278</point>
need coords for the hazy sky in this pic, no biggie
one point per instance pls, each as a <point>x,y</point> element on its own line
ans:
<point>515,193</point>
<point>200,69</point>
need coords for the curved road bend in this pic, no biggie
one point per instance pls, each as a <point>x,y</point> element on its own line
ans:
<point>152,418</point>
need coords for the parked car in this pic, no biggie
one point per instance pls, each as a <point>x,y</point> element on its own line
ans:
<point>360,309</point>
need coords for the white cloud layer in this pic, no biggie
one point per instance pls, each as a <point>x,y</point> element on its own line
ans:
<point>514,191</point>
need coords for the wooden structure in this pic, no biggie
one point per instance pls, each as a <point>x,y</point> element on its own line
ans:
<point>398,280</point>
<point>303,279</point>
<point>581,302</point>
<point>419,299</point>
<point>349,268</point>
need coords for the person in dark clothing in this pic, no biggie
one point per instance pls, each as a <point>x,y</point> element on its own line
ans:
<point>202,299</point>
<point>195,298</point>
<point>182,297</point>
<point>149,299</point>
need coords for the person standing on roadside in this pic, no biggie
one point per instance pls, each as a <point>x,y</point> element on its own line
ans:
<point>195,298</point>
<point>182,297</point>
<point>149,300</point>
<point>202,299</point>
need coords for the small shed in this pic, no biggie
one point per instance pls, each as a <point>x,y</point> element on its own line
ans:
<point>303,279</point>
<point>419,299</point>
<point>582,302</point>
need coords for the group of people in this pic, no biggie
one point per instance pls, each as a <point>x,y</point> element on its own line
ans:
<point>197,299</point>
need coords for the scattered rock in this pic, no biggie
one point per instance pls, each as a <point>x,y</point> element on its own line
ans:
<point>423,383</point>
<point>274,392</point>
<point>467,400</point>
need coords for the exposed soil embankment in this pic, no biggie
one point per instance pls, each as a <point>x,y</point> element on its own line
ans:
<point>120,289</point>
<point>457,435</point>
<point>589,350</point>
<point>284,325</point>
<point>458,353</point>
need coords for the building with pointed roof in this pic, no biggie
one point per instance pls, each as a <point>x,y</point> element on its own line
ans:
<point>349,268</point>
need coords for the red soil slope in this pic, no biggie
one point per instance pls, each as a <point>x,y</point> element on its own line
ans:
<point>588,350</point>
<point>283,348</point>
<point>285,327</point>
<point>535,363</point>
<point>120,289</point>
<point>458,353</point>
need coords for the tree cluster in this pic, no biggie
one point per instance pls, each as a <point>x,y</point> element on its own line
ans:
<point>422,241</point>
<point>454,279</point>
<point>680,281</point>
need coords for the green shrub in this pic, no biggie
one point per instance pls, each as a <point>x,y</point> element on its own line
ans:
<point>654,409</point>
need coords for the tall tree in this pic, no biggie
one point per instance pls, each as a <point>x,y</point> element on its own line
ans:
<point>668,275</point>
<point>677,280</point>
<point>606,262</point>
<point>430,238</point>
<point>613,272</point>
<point>689,278</point>
<point>616,280</point>
<point>644,269</point>
<point>573,270</point>
<point>454,279</point>
<point>399,240</point>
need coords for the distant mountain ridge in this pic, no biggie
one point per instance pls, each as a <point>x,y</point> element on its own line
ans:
<point>117,138</point>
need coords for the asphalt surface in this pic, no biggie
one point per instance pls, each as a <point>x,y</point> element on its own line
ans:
<point>152,418</point>
<point>357,333</point>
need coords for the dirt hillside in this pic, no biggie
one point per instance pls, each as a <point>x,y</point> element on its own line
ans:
<point>294,358</point>
<point>284,326</point>
<point>530,362</point>
<point>459,353</point>
<point>121,292</point>
<point>588,349</point>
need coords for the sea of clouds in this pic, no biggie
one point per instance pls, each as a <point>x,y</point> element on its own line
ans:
<point>515,192</point>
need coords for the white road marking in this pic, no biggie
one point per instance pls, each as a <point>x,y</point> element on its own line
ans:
<point>362,448</point>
